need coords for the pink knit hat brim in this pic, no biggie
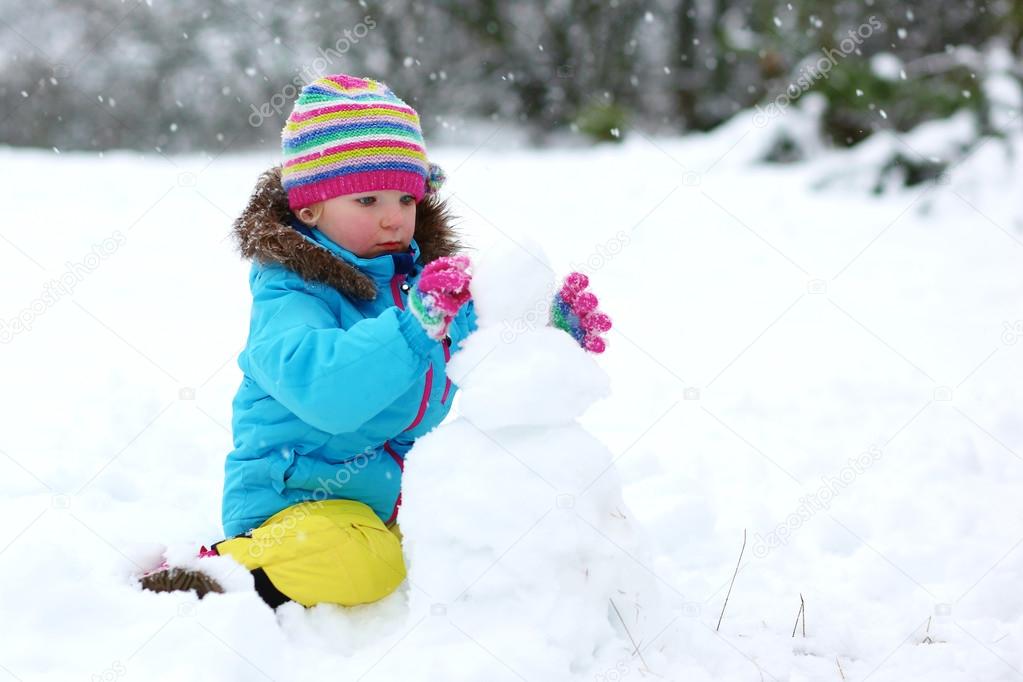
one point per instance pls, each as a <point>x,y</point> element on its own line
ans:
<point>356,183</point>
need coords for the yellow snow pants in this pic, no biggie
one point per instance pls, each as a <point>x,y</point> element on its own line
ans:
<point>335,551</point>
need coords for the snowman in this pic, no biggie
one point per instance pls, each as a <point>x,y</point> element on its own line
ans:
<point>524,561</point>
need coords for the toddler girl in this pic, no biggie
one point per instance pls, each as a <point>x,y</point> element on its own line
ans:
<point>359,300</point>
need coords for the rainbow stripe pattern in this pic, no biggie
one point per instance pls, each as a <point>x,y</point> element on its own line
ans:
<point>347,135</point>
<point>441,290</point>
<point>574,310</point>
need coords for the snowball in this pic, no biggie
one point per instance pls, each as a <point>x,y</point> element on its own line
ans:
<point>538,377</point>
<point>512,284</point>
<point>515,370</point>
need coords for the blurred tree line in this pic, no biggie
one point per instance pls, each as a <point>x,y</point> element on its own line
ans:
<point>190,75</point>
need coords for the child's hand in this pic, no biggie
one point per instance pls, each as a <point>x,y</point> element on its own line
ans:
<point>575,311</point>
<point>439,292</point>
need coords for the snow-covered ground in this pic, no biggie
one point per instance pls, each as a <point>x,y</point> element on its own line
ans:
<point>835,373</point>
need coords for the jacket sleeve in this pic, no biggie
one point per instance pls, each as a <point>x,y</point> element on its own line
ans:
<point>331,378</point>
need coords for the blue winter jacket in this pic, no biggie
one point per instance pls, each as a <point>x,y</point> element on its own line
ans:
<point>339,377</point>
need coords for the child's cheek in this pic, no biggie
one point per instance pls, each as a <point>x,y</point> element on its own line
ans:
<point>367,233</point>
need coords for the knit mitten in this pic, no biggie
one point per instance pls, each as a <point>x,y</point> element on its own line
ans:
<point>440,291</point>
<point>574,310</point>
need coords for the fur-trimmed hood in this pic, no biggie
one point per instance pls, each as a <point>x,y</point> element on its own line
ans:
<point>263,233</point>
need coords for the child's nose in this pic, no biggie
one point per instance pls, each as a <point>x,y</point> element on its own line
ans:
<point>390,218</point>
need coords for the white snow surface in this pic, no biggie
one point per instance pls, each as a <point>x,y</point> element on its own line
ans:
<point>835,373</point>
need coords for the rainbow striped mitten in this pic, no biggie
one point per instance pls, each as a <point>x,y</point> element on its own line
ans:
<point>574,310</point>
<point>440,291</point>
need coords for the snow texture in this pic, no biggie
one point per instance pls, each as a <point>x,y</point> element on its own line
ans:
<point>834,372</point>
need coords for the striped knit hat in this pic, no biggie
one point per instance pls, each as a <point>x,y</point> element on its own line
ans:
<point>348,135</point>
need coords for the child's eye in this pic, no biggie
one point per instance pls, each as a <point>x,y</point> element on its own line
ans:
<point>367,201</point>
<point>408,199</point>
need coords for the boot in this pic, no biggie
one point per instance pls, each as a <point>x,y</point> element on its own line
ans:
<point>167,579</point>
<point>180,580</point>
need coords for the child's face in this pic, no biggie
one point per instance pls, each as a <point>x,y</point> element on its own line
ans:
<point>369,223</point>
